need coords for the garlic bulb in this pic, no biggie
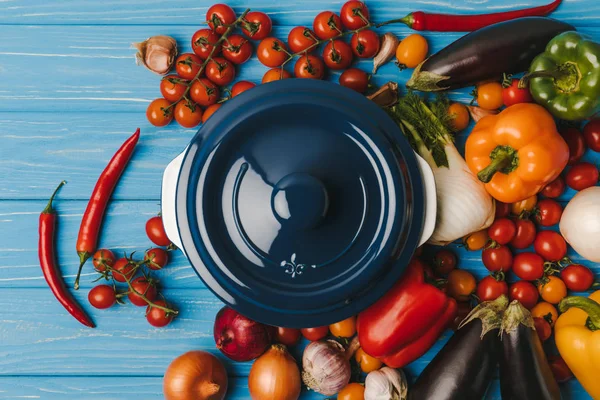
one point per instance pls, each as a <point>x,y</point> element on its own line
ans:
<point>386,384</point>
<point>156,53</point>
<point>325,367</point>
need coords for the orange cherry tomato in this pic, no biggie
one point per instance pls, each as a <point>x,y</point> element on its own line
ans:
<point>461,284</point>
<point>275,74</point>
<point>354,391</point>
<point>310,67</point>
<point>460,116</point>
<point>159,112</point>
<point>553,290</point>
<point>412,51</point>
<point>489,95</point>
<point>271,52</point>
<point>210,110</point>
<point>524,205</point>
<point>543,309</point>
<point>366,362</point>
<point>476,240</point>
<point>188,114</point>
<point>345,328</point>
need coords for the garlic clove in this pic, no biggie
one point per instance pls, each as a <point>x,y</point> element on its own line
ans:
<point>156,53</point>
<point>389,43</point>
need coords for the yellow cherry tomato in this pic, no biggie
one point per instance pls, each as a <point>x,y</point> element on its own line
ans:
<point>412,51</point>
<point>345,328</point>
<point>553,290</point>
<point>524,205</point>
<point>366,362</point>
<point>476,240</point>
<point>489,96</point>
<point>354,391</point>
<point>542,309</point>
<point>460,115</point>
<point>461,284</point>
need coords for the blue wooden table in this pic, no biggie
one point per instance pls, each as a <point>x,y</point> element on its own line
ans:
<point>70,93</point>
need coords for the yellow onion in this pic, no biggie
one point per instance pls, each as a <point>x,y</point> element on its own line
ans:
<point>156,53</point>
<point>195,375</point>
<point>275,376</point>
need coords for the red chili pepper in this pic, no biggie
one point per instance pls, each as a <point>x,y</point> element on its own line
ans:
<point>49,267</point>
<point>422,21</point>
<point>94,213</point>
<point>402,325</point>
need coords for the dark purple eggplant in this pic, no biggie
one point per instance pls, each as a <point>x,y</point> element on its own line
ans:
<point>464,367</point>
<point>507,47</point>
<point>524,370</point>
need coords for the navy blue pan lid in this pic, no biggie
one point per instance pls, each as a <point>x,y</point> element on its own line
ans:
<point>299,203</point>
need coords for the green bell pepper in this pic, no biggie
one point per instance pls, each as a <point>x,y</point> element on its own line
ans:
<point>565,79</point>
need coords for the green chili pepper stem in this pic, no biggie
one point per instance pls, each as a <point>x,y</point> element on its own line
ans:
<point>589,306</point>
<point>49,209</point>
<point>504,159</point>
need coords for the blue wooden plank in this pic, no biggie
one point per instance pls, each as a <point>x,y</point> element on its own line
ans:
<point>190,12</point>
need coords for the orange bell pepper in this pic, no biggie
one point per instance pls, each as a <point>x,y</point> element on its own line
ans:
<point>517,152</point>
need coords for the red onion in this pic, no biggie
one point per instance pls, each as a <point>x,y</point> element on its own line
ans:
<point>240,338</point>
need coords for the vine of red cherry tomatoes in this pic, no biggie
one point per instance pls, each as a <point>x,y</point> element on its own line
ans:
<point>196,90</point>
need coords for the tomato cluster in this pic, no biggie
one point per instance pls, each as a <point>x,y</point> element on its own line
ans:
<point>141,287</point>
<point>194,92</point>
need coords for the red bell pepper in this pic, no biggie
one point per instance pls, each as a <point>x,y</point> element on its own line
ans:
<point>402,325</point>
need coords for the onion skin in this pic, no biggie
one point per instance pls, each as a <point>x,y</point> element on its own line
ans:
<point>240,338</point>
<point>195,375</point>
<point>275,376</point>
<point>580,223</point>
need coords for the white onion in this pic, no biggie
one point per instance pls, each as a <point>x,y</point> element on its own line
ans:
<point>580,223</point>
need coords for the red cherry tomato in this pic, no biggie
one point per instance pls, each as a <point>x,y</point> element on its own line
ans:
<point>172,88</point>
<point>327,25</point>
<point>549,212</point>
<point>275,74</point>
<point>301,38</point>
<point>555,188</point>
<point>550,245</point>
<point>210,110</point>
<point>464,308</point>
<point>337,54</point>
<point>159,112</point>
<point>124,269</point>
<point>503,230</point>
<point>543,328</point>
<point>444,262</point>
<point>576,143</point>
<point>156,258</point>
<point>489,289</point>
<point>204,92</point>
<point>355,79</point>
<point>314,334</point>
<point>497,259</point>
<point>103,258</point>
<point>188,114</point>
<point>219,16</point>
<point>528,266</point>
<point>142,286</point>
<point>525,292</point>
<point>577,278</point>
<point>158,317</point>
<point>560,369</point>
<point>525,235</point>
<point>237,49</point>
<point>271,52</point>
<point>354,14</point>
<point>591,132</point>
<point>257,25</point>
<point>513,95</point>
<point>287,336</point>
<point>187,65</point>
<point>365,44</point>
<point>203,42</point>
<point>156,231</point>
<point>241,87</point>
<point>502,210</point>
<point>309,67</point>
<point>582,176</point>
<point>220,71</point>
<point>102,297</point>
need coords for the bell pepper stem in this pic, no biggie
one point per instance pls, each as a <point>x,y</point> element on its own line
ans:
<point>524,81</point>
<point>589,306</point>
<point>504,159</point>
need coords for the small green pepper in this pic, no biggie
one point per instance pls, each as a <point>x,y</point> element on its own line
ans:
<point>565,79</point>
